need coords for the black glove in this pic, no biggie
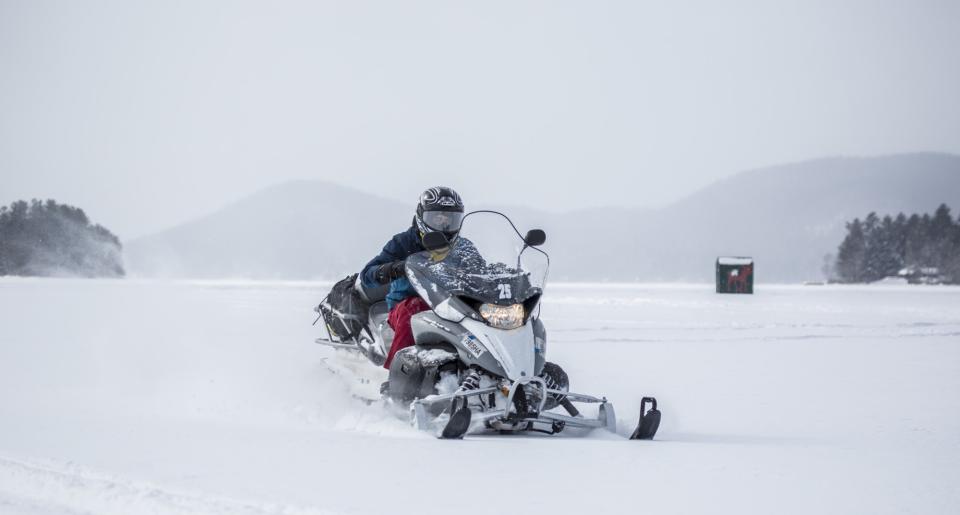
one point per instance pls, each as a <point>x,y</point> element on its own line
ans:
<point>389,272</point>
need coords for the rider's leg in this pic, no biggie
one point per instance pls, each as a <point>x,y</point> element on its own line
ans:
<point>399,320</point>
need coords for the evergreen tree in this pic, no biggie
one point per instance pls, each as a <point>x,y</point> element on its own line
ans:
<point>900,238</point>
<point>940,236</point>
<point>925,256</point>
<point>852,253</point>
<point>46,238</point>
<point>951,268</point>
<point>882,258</point>
<point>872,268</point>
<point>914,240</point>
<point>878,248</point>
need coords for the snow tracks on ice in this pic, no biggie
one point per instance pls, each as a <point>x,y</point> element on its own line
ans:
<point>52,488</point>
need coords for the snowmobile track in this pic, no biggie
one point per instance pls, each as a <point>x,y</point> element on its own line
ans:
<point>65,488</point>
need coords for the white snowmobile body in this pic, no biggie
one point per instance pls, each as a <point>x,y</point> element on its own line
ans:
<point>482,346</point>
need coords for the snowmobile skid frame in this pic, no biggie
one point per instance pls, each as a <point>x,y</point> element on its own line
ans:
<point>508,420</point>
<point>363,347</point>
<point>505,419</point>
<point>338,345</point>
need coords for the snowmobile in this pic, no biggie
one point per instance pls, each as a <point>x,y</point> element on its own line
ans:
<point>479,358</point>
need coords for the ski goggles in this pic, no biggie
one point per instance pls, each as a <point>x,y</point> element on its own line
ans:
<point>443,221</point>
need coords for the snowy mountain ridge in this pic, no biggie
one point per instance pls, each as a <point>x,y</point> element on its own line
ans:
<point>787,217</point>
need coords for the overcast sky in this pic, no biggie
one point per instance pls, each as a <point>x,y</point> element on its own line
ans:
<point>151,113</point>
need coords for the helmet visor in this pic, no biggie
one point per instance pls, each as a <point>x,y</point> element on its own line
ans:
<point>443,221</point>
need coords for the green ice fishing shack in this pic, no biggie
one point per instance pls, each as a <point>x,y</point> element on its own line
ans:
<point>734,274</point>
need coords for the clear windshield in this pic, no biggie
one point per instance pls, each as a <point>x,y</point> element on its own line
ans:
<point>488,262</point>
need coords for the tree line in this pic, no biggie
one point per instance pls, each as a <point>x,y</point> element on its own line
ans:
<point>49,239</point>
<point>922,248</point>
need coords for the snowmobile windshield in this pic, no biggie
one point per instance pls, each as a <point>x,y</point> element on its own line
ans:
<point>443,221</point>
<point>489,263</point>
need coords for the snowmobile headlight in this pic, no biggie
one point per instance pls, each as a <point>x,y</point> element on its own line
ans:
<point>502,317</point>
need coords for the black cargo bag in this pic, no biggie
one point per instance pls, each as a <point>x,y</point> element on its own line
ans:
<point>344,311</point>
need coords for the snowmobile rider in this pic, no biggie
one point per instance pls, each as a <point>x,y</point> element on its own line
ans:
<point>439,209</point>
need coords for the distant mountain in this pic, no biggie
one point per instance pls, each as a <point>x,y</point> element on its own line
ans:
<point>300,229</point>
<point>787,217</point>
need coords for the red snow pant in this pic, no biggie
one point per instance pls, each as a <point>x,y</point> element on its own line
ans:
<point>399,320</point>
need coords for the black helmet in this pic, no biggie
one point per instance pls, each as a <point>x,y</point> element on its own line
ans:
<point>440,209</point>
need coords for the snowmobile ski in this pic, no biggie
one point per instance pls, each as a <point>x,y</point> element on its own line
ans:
<point>459,421</point>
<point>649,420</point>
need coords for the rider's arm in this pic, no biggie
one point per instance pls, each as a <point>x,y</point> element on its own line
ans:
<point>391,253</point>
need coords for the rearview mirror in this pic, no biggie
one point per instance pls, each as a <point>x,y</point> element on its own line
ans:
<point>435,240</point>
<point>535,237</point>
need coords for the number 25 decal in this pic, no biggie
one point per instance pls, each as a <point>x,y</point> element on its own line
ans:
<point>504,291</point>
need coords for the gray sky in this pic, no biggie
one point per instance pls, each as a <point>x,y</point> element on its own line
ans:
<point>148,114</point>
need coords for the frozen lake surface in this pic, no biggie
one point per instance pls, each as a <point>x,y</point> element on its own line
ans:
<point>134,397</point>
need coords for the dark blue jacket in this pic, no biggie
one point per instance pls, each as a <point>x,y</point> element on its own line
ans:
<point>399,247</point>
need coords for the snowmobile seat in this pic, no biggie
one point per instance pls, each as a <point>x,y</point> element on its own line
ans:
<point>379,315</point>
<point>371,295</point>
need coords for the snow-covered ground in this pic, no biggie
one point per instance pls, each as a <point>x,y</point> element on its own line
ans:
<point>130,397</point>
